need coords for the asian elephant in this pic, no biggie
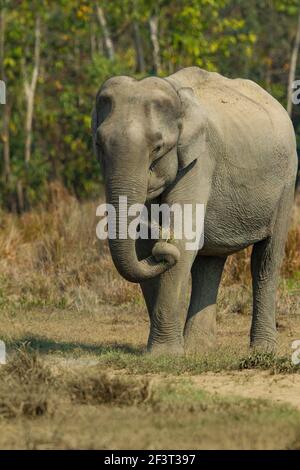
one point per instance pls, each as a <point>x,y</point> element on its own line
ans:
<point>198,137</point>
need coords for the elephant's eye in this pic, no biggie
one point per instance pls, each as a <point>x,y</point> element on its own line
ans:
<point>157,149</point>
<point>154,163</point>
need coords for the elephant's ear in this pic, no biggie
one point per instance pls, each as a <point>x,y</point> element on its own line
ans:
<point>192,139</point>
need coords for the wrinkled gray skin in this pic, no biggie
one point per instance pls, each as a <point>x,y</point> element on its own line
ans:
<point>198,137</point>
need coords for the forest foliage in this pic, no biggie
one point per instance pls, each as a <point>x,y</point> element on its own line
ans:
<point>54,55</point>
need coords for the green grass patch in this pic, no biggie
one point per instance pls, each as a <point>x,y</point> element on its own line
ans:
<point>222,360</point>
<point>134,360</point>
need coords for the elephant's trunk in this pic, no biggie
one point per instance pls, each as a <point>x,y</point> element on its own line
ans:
<point>123,251</point>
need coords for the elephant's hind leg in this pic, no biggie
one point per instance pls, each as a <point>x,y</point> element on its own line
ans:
<point>265,267</point>
<point>200,327</point>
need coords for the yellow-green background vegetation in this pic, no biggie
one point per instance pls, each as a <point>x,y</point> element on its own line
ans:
<point>76,53</point>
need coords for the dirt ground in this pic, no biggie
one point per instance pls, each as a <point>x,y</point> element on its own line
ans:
<point>279,388</point>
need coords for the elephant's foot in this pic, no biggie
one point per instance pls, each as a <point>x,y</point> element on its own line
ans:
<point>198,343</point>
<point>263,341</point>
<point>165,349</point>
<point>261,346</point>
<point>200,332</point>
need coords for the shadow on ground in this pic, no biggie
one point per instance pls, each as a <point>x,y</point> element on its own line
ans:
<point>48,346</point>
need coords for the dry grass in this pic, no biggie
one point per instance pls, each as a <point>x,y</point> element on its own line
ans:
<point>28,387</point>
<point>24,389</point>
<point>291,264</point>
<point>52,258</point>
<point>104,389</point>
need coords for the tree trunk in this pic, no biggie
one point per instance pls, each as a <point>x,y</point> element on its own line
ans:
<point>139,51</point>
<point>293,68</point>
<point>20,197</point>
<point>6,144</point>
<point>2,39</point>
<point>153,24</point>
<point>30,88</point>
<point>6,112</point>
<point>93,41</point>
<point>108,43</point>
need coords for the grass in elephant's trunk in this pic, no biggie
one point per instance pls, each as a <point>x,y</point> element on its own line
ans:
<point>87,329</point>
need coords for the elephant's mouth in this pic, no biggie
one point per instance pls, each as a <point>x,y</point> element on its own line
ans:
<point>154,192</point>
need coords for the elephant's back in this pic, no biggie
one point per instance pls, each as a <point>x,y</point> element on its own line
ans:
<point>249,128</point>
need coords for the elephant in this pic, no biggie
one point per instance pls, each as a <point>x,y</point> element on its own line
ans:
<point>198,137</point>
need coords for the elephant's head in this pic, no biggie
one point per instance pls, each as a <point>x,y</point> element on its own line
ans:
<point>145,132</point>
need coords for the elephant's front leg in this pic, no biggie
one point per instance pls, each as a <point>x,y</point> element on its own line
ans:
<point>166,329</point>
